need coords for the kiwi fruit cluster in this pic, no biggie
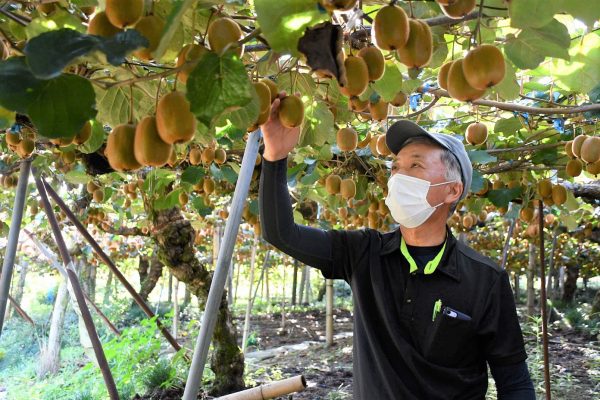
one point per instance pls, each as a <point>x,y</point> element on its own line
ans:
<point>22,143</point>
<point>583,150</point>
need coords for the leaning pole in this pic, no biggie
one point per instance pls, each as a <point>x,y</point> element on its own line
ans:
<point>219,279</point>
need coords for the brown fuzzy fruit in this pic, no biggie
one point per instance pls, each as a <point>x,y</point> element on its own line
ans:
<point>544,188</point>
<point>183,199</point>
<point>264,95</point>
<point>569,149</point>
<point>526,214</point>
<point>379,110</point>
<point>458,87</point>
<point>98,195</point>
<point>91,187</point>
<point>459,8</point>
<point>590,150</point>
<point>208,185</point>
<point>399,99</point>
<point>67,157</point>
<point>151,27</point>
<point>332,184</point>
<point>476,134</point>
<point>101,26</point>
<point>46,8</point>
<point>484,66</point>
<point>373,145</point>
<point>191,54</point>
<point>122,13</point>
<point>291,112</point>
<point>149,149</point>
<point>382,147</point>
<point>577,143</point>
<point>339,5</point>
<point>195,156</point>
<point>594,168</point>
<point>574,168</point>
<point>443,75</point>
<point>272,88</point>
<point>357,76</point>
<point>208,155</point>
<point>224,32</point>
<point>12,138</point>
<point>346,139</point>
<point>174,120</point>
<point>374,60</point>
<point>220,156</point>
<point>390,28</point>
<point>25,147</point>
<point>559,194</point>
<point>348,188</point>
<point>357,105</point>
<point>419,47</point>
<point>84,134</point>
<point>119,148</point>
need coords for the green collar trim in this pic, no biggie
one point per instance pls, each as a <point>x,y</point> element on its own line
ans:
<point>431,265</point>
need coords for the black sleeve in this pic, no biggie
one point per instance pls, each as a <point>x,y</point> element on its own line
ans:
<point>334,252</point>
<point>513,382</point>
<point>499,330</point>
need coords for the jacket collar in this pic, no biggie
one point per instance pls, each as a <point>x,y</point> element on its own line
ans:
<point>390,242</point>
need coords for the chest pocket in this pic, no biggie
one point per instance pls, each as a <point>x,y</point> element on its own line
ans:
<point>448,337</point>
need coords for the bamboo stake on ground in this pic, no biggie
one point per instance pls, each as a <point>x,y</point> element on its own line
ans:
<point>543,294</point>
<point>269,390</point>
<point>13,238</point>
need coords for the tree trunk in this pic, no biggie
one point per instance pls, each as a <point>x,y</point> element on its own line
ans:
<point>50,351</point>
<point>329,312</point>
<point>531,280</point>
<point>570,286</point>
<point>596,303</point>
<point>283,300</point>
<point>302,284</point>
<point>307,287</point>
<point>150,272</point>
<point>170,291</point>
<point>294,282</point>
<point>551,263</point>
<point>108,288</point>
<point>187,298</point>
<point>322,290</point>
<point>268,297</point>
<point>20,286</point>
<point>517,287</point>
<point>176,309</point>
<point>175,239</point>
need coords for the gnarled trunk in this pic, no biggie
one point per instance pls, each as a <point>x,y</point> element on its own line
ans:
<point>175,239</point>
<point>150,271</point>
<point>50,351</point>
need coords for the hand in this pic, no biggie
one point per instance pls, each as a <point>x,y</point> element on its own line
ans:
<point>278,139</point>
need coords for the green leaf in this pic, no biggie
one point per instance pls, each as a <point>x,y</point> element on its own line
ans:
<point>77,177</point>
<point>7,118</point>
<point>295,82</point>
<point>171,26</point>
<point>533,45</point>
<point>192,175</point>
<point>530,13</point>
<point>244,117</point>
<point>582,73</point>
<point>18,86</point>
<point>480,157</point>
<point>229,174</point>
<point>283,23</point>
<point>218,85</point>
<point>547,156</point>
<point>477,181</point>
<point>584,10</point>
<point>318,124</point>
<point>169,201</point>
<point>95,141</point>
<point>390,83</point>
<point>508,88</point>
<point>201,208</point>
<point>114,103</point>
<point>507,125</point>
<point>62,106</point>
<point>501,197</point>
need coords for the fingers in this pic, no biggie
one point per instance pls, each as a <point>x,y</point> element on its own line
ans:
<point>273,115</point>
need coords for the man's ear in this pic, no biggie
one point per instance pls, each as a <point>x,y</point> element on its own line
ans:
<point>454,192</point>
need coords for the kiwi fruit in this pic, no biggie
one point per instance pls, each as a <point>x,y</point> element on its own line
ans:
<point>208,155</point>
<point>484,66</point>
<point>208,185</point>
<point>574,168</point>
<point>496,185</point>
<point>63,141</point>
<point>333,184</point>
<point>220,156</point>
<point>544,188</point>
<point>365,142</point>
<point>468,221</point>
<point>222,32</point>
<point>195,156</point>
<point>458,8</point>
<point>149,149</point>
<point>399,99</point>
<point>577,143</point>
<point>172,158</point>
<point>12,138</point>
<point>373,145</point>
<point>272,88</point>
<point>390,28</point>
<point>98,195</point>
<point>123,13</point>
<point>46,8</point>
<point>378,110</point>
<point>458,87</point>
<point>291,111</point>
<point>485,188</point>
<point>374,60</point>
<point>25,147</point>
<point>191,54</point>
<point>593,168</point>
<point>443,75</point>
<point>357,105</point>
<point>91,186</point>
<point>263,117</point>
<point>84,134</point>
<point>348,188</point>
<point>67,157</point>
<point>559,194</point>
<point>445,2</point>
<point>346,139</point>
<point>119,148</point>
<point>101,26</point>
<point>357,76</point>
<point>337,5</point>
<point>419,47</point>
<point>526,214</point>
<point>174,120</point>
<point>476,134</point>
<point>590,150</point>
<point>382,147</point>
<point>569,149</point>
<point>183,199</point>
<point>150,27</point>
<point>264,95</point>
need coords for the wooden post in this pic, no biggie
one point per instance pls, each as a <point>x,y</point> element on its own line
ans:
<point>543,301</point>
<point>13,237</point>
<point>329,311</point>
<point>85,313</point>
<point>294,282</point>
<point>531,280</point>
<point>283,299</point>
<point>509,234</point>
<point>175,307</point>
<point>269,390</point>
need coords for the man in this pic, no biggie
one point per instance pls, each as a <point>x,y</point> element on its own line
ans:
<point>429,312</point>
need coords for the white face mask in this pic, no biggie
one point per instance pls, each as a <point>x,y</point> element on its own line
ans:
<point>407,199</point>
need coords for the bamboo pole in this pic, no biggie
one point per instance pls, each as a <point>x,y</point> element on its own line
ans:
<point>175,307</point>
<point>20,311</point>
<point>329,311</point>
<point>509,234</point>
<point>269,390</point>
<point>104,257</point>
<point>217,286</point>
<point>85,312</point>
<point>13,238</point>
<point>544,312</point>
